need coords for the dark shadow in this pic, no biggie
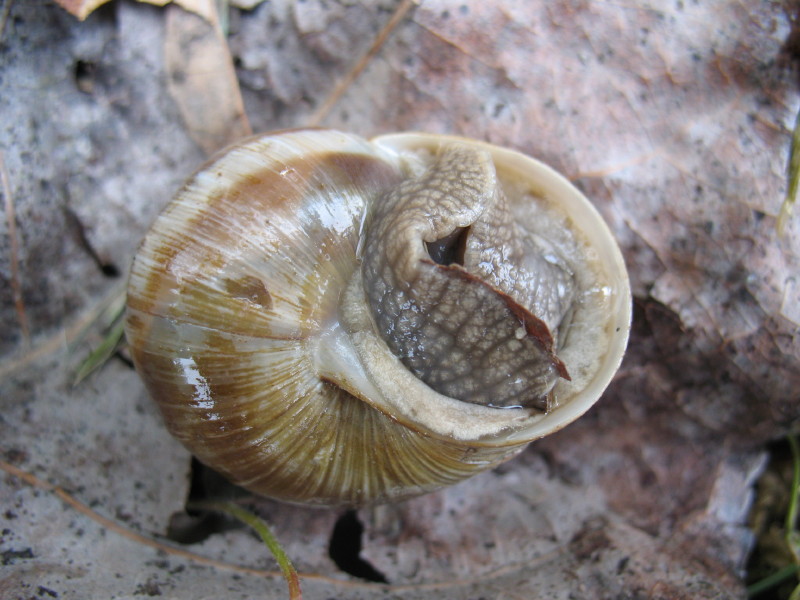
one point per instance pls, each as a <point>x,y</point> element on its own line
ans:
<point>345,549</point>
<point>191,526</point>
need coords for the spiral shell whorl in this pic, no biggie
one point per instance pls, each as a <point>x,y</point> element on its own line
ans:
<point>247,321</point>
<point>229,290</point>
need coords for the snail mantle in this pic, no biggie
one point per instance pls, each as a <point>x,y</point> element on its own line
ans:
<point>331,320</point>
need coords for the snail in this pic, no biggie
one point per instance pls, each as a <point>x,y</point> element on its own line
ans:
<point>331,320</point>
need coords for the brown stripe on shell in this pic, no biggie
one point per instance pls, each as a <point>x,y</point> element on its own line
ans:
<point>251,289</point>
<point>226,219</point>
<point>268,191</point>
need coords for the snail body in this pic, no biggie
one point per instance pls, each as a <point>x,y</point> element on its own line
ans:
<point>329,320</point>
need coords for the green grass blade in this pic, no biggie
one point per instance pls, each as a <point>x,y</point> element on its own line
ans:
<point>771,581</point>
<point>791,514</point>
<point>795,595</point>
<point>794,180</point>
<point>248,518</point>
<point>98,357</point>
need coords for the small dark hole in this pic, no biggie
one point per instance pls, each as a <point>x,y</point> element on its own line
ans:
<point>123,356</point>
<point>449,249</point>
<point>84,68</point>
<point>85,72</point>
<point>345,549</point>
<point>191,526</point>
<point>109,270</point>
<point>187,529</point>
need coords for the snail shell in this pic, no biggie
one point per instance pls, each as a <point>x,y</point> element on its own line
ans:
<point>330,320</point>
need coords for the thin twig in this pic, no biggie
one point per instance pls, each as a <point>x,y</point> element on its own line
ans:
<point>4,17</point>
<point>16,286</point>
<point>111,525</point>
<point>351,76</point>
<point>84,509</point>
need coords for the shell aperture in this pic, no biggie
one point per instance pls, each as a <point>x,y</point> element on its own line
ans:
<point>454,289</point>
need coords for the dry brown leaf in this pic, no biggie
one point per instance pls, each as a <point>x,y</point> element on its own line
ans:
<point>83,8</point>
<point>202,80</point>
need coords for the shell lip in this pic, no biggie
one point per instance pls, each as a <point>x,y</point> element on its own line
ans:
<point>409,401</point>
<point>523,427</point>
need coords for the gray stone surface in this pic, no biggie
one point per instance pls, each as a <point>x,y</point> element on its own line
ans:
<point>674,119</point>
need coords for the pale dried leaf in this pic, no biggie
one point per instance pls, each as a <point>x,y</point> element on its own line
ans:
<point>83,8</point>
<point>245,4</point>
<point>203,82</point>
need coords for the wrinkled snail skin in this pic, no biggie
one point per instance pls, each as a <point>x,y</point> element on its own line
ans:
<point>451,324</point>
<point>329,320</point>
